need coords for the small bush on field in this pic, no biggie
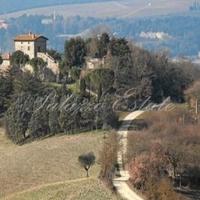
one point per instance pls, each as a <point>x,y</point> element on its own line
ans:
<point>86,161</point>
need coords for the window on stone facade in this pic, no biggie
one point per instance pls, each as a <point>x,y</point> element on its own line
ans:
<point>28,48</point>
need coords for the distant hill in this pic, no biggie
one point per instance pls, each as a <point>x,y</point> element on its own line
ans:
<point>93,8</point>
<point>126,18</point>
<point>8,6</point>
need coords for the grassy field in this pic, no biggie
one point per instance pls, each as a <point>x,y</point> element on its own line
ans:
<point>83,189</point>
<point>48,169</point>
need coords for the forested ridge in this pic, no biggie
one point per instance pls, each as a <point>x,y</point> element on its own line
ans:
<point>182,29</point>
<point>35,108</point>
<point>163,157</point>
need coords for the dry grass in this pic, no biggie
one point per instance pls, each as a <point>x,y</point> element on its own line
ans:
<point>84,189</point>
<point>45,162</point>
<point>5,144</point>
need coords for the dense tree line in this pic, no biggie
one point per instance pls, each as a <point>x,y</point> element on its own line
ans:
<point>166,150</point>
<point>75,52</point>
<point>37,111</point>
<point>183,29</point>
<point>6,90</point>
<point>128,66</point>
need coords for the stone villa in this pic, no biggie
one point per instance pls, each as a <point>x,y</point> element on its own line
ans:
<point>35,46</point>
<point>6,62</point>
<point>93,63</point>
<point>31,44</point>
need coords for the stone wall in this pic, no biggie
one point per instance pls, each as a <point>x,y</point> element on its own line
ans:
<point>27,47</point>
<point>51,63</point>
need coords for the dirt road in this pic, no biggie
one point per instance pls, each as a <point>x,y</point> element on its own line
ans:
<point>121,182</point>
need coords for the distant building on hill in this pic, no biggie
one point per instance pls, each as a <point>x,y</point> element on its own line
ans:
<point>6,62</point>
<point>35,46</point>
<point>3,24</point>
<point>47,21</point>
<point>31,44</point>
<point>94,63</point>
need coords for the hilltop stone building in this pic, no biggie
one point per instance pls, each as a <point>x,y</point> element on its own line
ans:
<point>6,62</point>
<point>35,46</point>
<point>94,63</point>
<point>31,44</point>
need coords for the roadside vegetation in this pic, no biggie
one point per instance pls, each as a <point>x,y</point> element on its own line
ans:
<point>49,169</point>
<point>163,157</point>
<point>181,29</point>
<point>108,159</point>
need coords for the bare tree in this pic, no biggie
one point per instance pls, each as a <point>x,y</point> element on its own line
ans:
<point>86,161</point>
<point>174,157</point>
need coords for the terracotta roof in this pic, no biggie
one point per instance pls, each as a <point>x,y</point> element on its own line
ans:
<point>29,37</point>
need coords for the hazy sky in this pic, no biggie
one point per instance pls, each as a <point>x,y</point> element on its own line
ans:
<point>15,5</point>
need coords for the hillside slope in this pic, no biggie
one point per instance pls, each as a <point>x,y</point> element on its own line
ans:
<point>81,189</point>
<point>49,168</point>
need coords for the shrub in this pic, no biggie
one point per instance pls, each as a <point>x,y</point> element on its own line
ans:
<point>86,161</point>
<point>166,149</point>
<point>108,158</point>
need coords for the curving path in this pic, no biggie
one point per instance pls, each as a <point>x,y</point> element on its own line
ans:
<point>47,185</point>
<point>121,182</point>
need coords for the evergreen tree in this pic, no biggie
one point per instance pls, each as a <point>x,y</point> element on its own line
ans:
<point>1,60</point>
<point>19,59</point>
<point>75,52</point>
